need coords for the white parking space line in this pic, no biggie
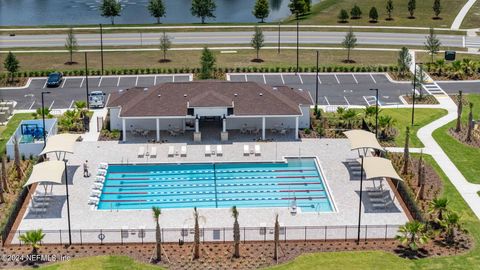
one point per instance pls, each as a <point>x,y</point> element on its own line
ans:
<point>264,80</point>
<point>33,103</point>
<point>63,83</point>
<point>45,85</point>
<point>51,105</point>
<point>300,77</point>
<point>348,103</point>
<point>190,77</point>
<point>136,81</point>
<point>318,78</point>
<point>83,79</point>
<point>118,82</point>
<point>173,78</point>
<point>246,79</point>
<point>326,100</point>
<point>373,79</point>
<point>336,78</point>
<point>155,80</point>
<point>283,81</point>
<point>353,75</point>
<point>71,104</point>
<point>100,81</point>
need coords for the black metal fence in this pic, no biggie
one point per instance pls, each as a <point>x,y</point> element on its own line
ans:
<point>225,234</point>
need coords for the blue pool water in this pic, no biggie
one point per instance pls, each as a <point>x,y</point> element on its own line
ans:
<point>219,185</point>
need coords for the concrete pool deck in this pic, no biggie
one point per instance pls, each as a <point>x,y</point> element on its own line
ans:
<point>331,154</point>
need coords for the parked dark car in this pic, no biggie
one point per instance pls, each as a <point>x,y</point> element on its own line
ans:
<point>54,79</point>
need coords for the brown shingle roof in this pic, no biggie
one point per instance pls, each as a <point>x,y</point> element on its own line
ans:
<point>171,99</point>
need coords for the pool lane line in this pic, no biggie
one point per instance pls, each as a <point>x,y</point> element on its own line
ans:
<point>215,182</point>
<point>221,200</point>
<point>211,171</point>
<point>124,193</point>
<point>165,193</point>
<point>213,178</point>
<point>220,185</point>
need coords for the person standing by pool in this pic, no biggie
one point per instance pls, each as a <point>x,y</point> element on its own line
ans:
<point>85,169</point>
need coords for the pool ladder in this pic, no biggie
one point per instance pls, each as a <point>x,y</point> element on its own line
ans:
<point>126,161</point>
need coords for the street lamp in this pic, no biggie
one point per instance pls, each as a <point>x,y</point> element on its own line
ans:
<point>86,78</point>
<point>360,203</point>
<point>278,50</point>
<point>376,111</point>
<point>316,84</point>
<point>297,42</point>
<point>101,45</point>
<point>415,90</point>
<point>68,203</point>
<point>43,119</point>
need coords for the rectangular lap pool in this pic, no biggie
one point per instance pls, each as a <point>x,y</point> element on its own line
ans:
<point>219,185</point>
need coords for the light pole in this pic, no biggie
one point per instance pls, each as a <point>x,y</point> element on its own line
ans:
<point>414,90</point>
<point>68,204</point>
<point>360,203</point>
<point>376,111</point>
<point>316,83</point>
<point>297,42</point>
<point>86,79</point>
<point>101,45</point>
<point>278,49</point>
<point>43,120</point>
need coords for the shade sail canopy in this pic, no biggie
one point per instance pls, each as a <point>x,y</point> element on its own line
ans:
<point>47,172</point>
<point>360,139</point>
<point>377,167</point>
<point>60,143</point>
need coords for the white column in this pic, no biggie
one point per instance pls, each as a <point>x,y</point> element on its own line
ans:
<point>158,129</point>
<point>296,128</point>
<point>124,129</point>
<point>196,125</point>
<point>263,128</point>
<point>224,122</point>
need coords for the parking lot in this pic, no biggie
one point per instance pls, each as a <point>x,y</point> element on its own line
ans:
<point>335,88</point>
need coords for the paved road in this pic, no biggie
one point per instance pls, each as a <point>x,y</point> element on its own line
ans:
<point>186,38</point>
<point>465,86</point>
<point>334,89</point>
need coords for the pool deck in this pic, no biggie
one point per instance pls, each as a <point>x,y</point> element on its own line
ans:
<point>331,154</point>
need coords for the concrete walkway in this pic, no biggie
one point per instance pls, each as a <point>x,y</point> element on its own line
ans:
<point>461,15</point>
<point>93,133</point>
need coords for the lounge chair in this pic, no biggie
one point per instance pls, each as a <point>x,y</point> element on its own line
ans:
<point>96,193</point>
<point>172,133</point>
<point>219,150</point>
<point>283,132</point>
<point>103,165</point>
<point>99,179</point>
<point>246,150</point>
<point>153,152</point>
<point>258,152</point>
<point>145,133</point>
<point>208,150</point>
<point>141,232</point>
<point>141,151</point>
<point>256,131</point>
<point>97,186</point>
<point>101,172</point>
<point>171,151</point>
<point>124,231</point>
<point>93,200</point>
<point>183,151</point>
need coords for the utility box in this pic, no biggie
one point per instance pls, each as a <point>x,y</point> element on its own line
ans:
<point>450,55</point>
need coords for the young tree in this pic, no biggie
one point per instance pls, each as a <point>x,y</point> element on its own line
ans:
<point>297,7</point>
<point>12,65</point>
<point>165,45</point>
<point>261,10</point>
<point>437,8</point>
<point>276,238</point>
<point>450,224</point>
<point>404,60</point>
<point>4,174</point>
<point>421,177</point>
<point>207,62</point>
<point>196,237</point>
<point>71,45</point>
<point>156,9</point>
<point>203,9</point>
<point>308,5</point>
<point>17,161</point>
<point>236,233</point>
<point>438,206</point>
<point>411,6</point>
<point>406,152</point>
<point>349,43</point>
<point>258,42</point>
<point>373,15</point>
<point>111,8</point>
<point>389,7</point>
<point>458,128</point>
<point>158,234</point>
<point>356,12</point>
<point>33,238</point>
<point>412,234</point>
<point>2,190</point>
<point>343,16</point>
<point>470,123</point>
<point>432,45</point>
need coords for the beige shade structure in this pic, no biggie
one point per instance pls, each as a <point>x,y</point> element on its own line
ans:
<point>377,167</point>
<point>47,172</point>
<point>60,143</point>
<point>361,139</point>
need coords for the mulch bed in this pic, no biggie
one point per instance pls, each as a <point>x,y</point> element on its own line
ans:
<point>462,136</point>
<point>427,99</point>
<point>18,82</point>
<point>254,255</point>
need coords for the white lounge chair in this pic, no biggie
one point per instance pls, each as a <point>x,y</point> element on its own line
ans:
<point>171,151</point>
<point>141,151</point>
<point>246,150</point>
<point>101,172</point>
<point>183,151</point>
<point>153,152</point>
<point>258,152</point>
<point>124,231</point>
<point>208,150</point>
<point>96,193</point>
<point>99,179</point>
<point>93,200</point>
<point>103,165</point>
<point>219,150</point>
<point>97,186</point>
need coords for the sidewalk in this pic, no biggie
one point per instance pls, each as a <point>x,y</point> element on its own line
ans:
<point>461,15</point>
<point>93,133</point>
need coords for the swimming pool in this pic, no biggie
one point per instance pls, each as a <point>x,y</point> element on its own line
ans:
<point>216,185</point>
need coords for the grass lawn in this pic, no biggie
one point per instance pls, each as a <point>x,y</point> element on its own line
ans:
<point>326,12</point>
<point>426,58</point>
<point>101,262</point>
<point>464,157</point>
<point>181,59</point>
<point>9,129</point>
<point>403,118</point>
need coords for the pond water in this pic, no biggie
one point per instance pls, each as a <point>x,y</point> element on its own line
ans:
<point>65,12</point>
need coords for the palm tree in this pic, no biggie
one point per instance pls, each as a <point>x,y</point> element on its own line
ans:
<point>470,123</point>
<point>158,235</point>
<point>196,238</point>
<point>440,66</point>
<point>412,234</point>
<point>16,154</point>
<point>33,238</point>
<point>276,238</point>
<point>80,105</point>
<point>385,122</point>
<point>236,233</point>
<point>451,224</point>
<point>458,128</point>
<point>370,111</point>
<point>457,71</point>
<point>406,152</point>
<point>3,176</point>
<point>469,66</point>
<point>438,206</point>
<point>348,116</point>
